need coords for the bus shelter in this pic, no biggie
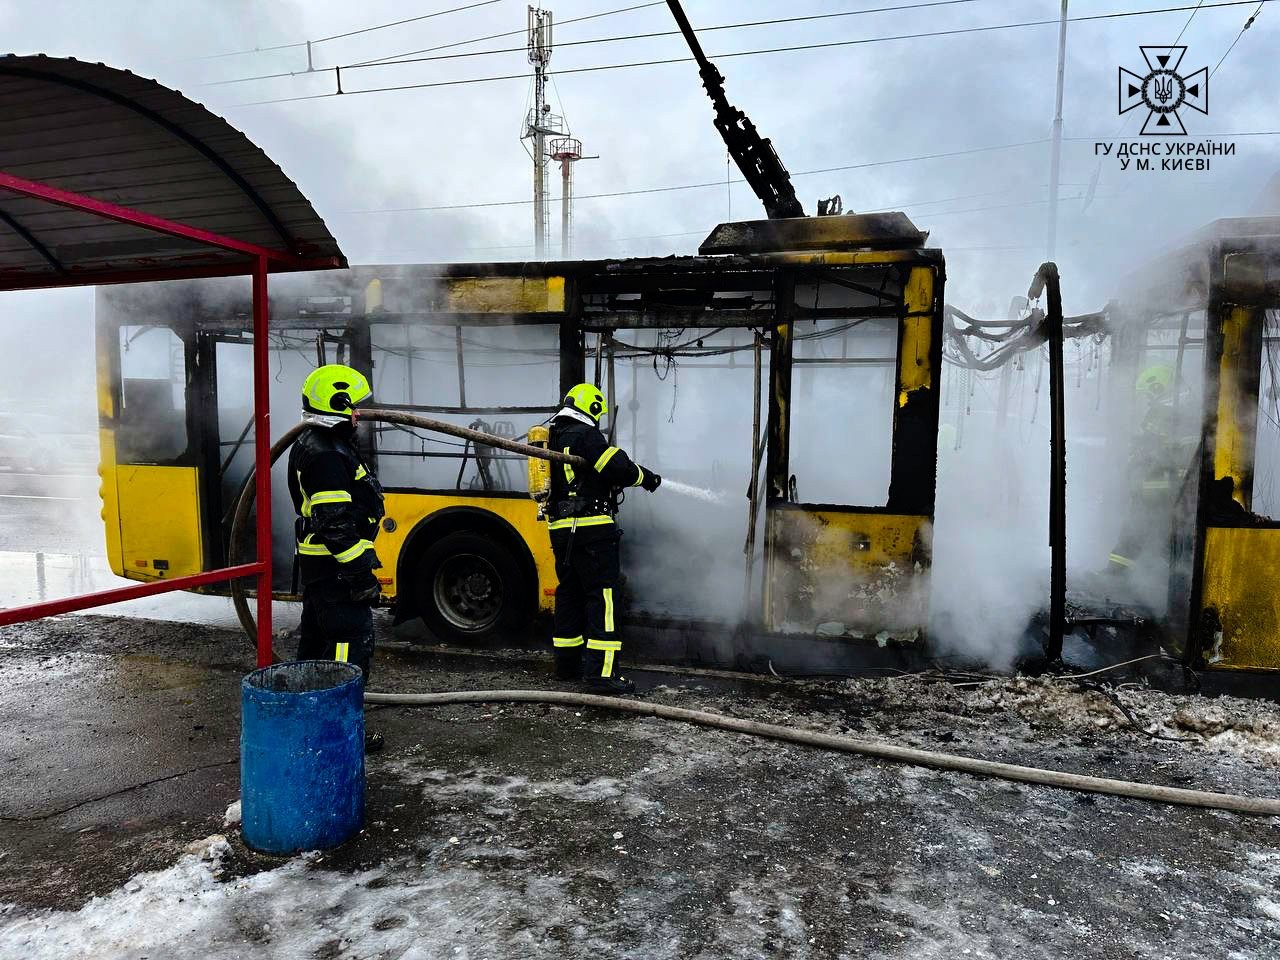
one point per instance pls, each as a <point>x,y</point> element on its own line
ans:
<point>109,178</point>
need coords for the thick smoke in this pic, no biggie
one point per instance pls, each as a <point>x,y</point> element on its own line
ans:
<point>682,405</point>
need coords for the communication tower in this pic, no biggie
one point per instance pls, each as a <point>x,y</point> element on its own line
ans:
<point>541,123</point>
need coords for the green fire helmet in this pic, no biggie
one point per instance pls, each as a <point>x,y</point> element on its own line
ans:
<point>1155,381</point>
<point>588,399</point>
<point>334,389</point>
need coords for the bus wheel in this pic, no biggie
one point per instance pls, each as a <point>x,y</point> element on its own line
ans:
<point>469,587</point>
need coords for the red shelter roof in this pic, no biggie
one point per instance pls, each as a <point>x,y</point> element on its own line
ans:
<point>112,136</point>
<point>109,178</point>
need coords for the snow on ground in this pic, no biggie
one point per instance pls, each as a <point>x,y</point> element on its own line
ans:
<point>529,831</point>
<point>295,910</point>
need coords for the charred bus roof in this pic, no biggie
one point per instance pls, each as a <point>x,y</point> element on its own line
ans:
<point>1239,255</point>
<point>730,282</point>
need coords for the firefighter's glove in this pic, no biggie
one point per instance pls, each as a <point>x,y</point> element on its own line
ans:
<point>651,481</point>
<point>362,584</point>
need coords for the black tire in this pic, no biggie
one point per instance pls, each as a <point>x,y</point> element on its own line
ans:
<point>470,588</point>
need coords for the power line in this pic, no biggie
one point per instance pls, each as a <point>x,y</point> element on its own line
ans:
<point>750,53</point>
<point>703,232</point>
<point>1188,23</point>
<point>710,183</point>
<point>1245,133</point>
<point>675,33</point>
<point>392,62</point>
<point>349,33</point>
<point>513,33</point>
<point>242,53</point>
<point>1132,116</point>
<point>1247,24</point>
<point>400,23</point>
<point>896,206</point>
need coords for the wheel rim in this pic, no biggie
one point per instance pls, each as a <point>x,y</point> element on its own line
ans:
<point>468,592</point>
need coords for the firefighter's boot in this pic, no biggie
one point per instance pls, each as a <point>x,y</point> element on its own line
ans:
<point>608,686</point>
<point>568,662</point>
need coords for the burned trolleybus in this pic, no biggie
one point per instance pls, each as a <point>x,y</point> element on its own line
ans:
<point>787,375</point>
<point>1209,313</point>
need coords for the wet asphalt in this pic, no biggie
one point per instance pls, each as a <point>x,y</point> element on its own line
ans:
<point>118,740</point>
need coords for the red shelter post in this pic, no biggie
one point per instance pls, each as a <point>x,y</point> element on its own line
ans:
<point>261,260</point>
<point>262,454</point>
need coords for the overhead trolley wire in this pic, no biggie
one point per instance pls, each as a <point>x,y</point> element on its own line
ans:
<point>793,48</point>
<point>513,33</point>
<point>400,23</point>
<point>779,21</point>
<point>709,183</point>
<point>1188,23</point>
<point>410,59</point>
<point>349,33</point>
<point>404,59</point>
<point>1247,24</point>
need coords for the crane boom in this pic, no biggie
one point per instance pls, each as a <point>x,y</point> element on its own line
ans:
<point>753,153</point>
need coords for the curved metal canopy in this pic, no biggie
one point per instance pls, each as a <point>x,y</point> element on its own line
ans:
<point>107,134</point>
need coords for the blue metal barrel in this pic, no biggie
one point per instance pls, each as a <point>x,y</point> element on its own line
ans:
<point>302,755</point>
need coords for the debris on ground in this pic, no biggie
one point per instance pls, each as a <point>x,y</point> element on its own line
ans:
<point>533,830</point>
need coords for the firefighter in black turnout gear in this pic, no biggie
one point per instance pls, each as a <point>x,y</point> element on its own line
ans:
<point>584,537</point>
<point>338,502</point>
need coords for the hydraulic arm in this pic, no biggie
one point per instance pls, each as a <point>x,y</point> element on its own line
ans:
<point>753,153</point>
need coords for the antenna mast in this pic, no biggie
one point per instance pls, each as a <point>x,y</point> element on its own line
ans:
<point>566,151</point>
<point>541,123</point>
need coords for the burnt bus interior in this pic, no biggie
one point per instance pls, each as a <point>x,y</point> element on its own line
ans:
<point>1192,463</point>
<point>1217,302</point>
<point>788,373</point>
<point>789,379</point>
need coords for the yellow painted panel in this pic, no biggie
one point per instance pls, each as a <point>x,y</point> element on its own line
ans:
<point>106,383</point>
<point>107,489</point>
<point>159,510</point>
<point>1242,588</point>
<point>915,371</point>
<point>504,295</point>
<point>839,258</point>
<point>373,295</point>
<point>865,570</point>
<point>110,496</point>
<point>409,509</point>
<point>1233,449</point>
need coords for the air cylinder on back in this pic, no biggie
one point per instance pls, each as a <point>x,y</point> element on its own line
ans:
<point>302,755</point>
<point>539,470</point>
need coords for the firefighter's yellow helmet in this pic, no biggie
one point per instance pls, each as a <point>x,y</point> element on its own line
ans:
<point>1155,381</point>
<point>334,388</point>
<point>588,399</point>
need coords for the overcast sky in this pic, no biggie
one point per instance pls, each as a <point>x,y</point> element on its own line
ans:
<point>651,125</point>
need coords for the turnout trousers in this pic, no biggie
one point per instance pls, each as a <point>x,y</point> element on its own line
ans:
<point>588,567</point>
<point>335,627</point>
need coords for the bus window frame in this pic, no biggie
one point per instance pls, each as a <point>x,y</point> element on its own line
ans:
<point>721,292</point>
<point>371,430</point>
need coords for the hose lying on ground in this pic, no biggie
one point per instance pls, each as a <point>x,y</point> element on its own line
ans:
<point>885,751</point>
<point>1234,803</point>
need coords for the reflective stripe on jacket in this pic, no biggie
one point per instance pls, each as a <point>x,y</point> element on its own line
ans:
<point>587,495</point>
<point>338,502</point>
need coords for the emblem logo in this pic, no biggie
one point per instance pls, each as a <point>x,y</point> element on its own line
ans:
<point>1163,91</point>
